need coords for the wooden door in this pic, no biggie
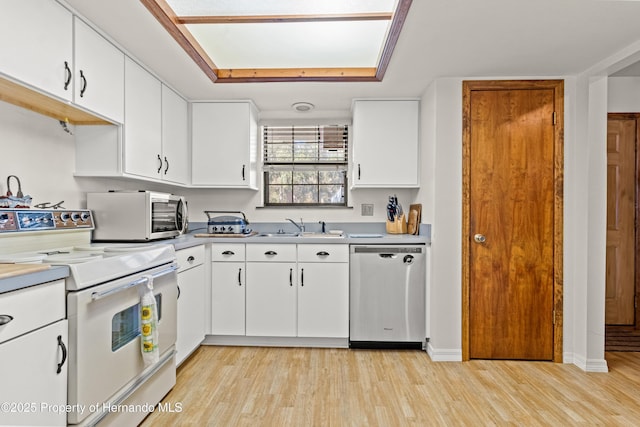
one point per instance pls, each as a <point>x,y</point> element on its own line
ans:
<point>512,142</point>
<point>621,216</point>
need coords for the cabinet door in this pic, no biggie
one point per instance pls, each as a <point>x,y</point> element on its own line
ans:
<point>323,300</point>
<point>99,73</point>
<point>190,311</point>
<point>224,136</point>
<point>271,299</point>
<point>31,383</point>
<point>228,284</point>
<point>175,129</point>
<point>36,39</point>
<point>142,122</point>
<point>385,143</point>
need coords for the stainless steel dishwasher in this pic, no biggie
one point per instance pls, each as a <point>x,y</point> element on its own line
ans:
<point>387,296</point>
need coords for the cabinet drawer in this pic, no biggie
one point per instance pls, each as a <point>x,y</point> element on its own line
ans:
<point>31,308</point>
<point>271,252</point>
<point>227,252</point>
<point>323,253</point>
<point>190,257</point>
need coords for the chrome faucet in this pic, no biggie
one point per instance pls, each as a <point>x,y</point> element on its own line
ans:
<point>299,226</point>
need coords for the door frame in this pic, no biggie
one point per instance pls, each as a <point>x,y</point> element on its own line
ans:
<point>636,117</point>
<point>558,200</point>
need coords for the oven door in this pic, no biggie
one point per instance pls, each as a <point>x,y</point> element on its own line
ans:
<point>104,336</point>
<point>168,216</point>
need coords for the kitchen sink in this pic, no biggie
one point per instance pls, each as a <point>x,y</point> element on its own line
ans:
<point>325,235</point>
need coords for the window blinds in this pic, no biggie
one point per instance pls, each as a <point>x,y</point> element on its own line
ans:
<point>306,147</point>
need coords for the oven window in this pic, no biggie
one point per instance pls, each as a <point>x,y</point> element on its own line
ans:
<point>125,325</point>
<point>165,216</point>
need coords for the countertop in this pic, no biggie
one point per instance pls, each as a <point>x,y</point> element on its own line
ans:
<point>56,272</point>
<point>189,240</point>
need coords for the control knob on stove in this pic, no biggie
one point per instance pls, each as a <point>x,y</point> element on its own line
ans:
<point>65,216</point>
<point>75,217</point>
<point>85,216</point>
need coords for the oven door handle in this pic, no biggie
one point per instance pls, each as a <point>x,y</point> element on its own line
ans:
<point>98,295</point>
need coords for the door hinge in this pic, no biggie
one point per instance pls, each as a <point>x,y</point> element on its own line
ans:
<point>554,118</point>
<point>554,317</point>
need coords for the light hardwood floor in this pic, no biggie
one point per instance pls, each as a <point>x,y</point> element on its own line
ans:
<point>253,386</point>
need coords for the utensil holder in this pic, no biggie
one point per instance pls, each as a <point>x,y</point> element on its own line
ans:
<point>399,226</point>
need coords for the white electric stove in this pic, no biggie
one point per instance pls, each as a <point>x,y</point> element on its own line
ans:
<point>106,368</point>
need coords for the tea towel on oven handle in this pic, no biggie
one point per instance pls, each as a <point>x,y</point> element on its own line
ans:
<point>149,324</point>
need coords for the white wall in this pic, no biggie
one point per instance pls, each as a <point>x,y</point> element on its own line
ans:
<point>623,95</point>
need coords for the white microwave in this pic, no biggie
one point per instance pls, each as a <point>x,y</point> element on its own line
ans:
<point>137,216</point>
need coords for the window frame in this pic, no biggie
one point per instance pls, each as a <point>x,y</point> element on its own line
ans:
<point>306,166</point>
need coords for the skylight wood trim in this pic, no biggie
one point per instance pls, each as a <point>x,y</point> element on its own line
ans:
<point>270,19</point>
<point>246,75</point>
<point>399,16</point>
<point>161,10</point>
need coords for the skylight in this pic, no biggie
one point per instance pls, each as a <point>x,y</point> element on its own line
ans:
<point>285,40</point>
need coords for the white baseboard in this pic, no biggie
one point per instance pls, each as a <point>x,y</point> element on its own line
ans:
<point>587,365</point>
<point>444,355</point>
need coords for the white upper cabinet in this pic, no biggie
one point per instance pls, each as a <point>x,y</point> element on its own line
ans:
<point>36,41</point>
<point>385,144</point>
<point>142,122</point>
<point>98,73</point>
<point>224,144</point>
<point>175,141</point>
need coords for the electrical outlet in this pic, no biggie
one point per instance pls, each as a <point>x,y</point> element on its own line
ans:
<point>366,209</point>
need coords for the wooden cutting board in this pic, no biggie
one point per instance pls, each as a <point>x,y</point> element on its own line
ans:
<point>10,270</point>
<point>415,216</point>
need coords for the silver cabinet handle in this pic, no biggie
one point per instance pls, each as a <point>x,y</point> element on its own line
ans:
<point>291,277</point>
<point>159,163</point>
<point>322,253</point>
<point>302,277</point>
<point>191,258</point>
<point>479,238</point>
<point>228,253</point>
<point>271,253</point>
<point>5,318</point>
<point>240,276</point>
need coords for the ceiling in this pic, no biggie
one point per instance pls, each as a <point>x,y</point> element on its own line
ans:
<point>440,38</point>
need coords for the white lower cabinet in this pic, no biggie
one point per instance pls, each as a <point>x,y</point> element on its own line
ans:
<point>323,291</point>
<point>34,356</point>
<point>191,307</point>
<point>228,284</point>
<point>297,290</point>
<point>271,290</point>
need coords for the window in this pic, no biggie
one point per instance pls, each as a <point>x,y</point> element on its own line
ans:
<point>305,165</point>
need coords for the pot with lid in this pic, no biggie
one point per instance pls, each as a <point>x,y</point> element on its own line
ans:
<point>227,224</point>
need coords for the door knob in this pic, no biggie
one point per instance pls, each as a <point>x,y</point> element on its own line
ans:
<point>479,238</point>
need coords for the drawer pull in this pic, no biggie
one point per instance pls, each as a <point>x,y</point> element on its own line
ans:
<point>64,354</point>
<point>228,253</point>
<point>323,253</point>
<point>191,259</point>
<point>5,318</point>
<point>271,253</point>
<point>239,277</point>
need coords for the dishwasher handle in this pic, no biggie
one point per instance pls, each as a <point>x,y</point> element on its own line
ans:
<point>390,256</point>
